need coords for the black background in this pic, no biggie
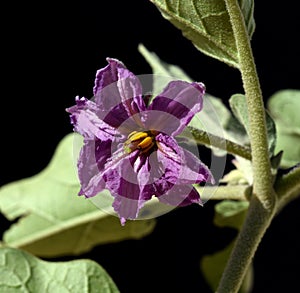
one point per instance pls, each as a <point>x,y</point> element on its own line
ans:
<point>50,54</point>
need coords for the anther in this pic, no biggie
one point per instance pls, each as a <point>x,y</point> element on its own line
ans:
<point>145,142</point>
<point>148,148</point>
<point>137,135</point>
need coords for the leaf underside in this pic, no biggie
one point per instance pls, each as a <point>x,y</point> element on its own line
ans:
<point>207,24</point>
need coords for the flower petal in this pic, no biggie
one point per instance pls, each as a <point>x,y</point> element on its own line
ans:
<point>118,93</point>
<point>129,181</point>
<point>92,158</point>
<point>86,121</point>
<point>181,166</point>
<point>181,195</point>
<point>106,76</point>
<point>178,103</point>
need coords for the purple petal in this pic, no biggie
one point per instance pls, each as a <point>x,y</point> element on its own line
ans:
<point>107,75</point>
<point>93,156</point>
<point>181,195</point>
<point>177,104</point>
<point>180,165</point>
<point>118,93</point>
<point>130,90</point>
<point>192,165</point>
<point>86,121</point>
<point>129,181</point>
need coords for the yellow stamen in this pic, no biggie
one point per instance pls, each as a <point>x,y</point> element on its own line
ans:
<point>145,142</point>
<point>142,140</point>
<point>148,148</point>
<point>131,134</point>
<point>137,136</point>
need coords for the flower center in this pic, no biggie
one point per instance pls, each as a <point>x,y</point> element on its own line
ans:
<point>142,140</point>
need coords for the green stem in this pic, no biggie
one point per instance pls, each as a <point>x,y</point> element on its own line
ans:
<point>232,192</point>
<point>262,204</point>
<point>257,221</point>
<point>262,176</point>
<point>202,137</point>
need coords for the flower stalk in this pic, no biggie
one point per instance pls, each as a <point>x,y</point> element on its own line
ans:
<point>227,192</point>
<point>202,137</point>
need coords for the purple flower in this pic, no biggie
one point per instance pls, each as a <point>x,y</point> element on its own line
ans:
<point>130,147</point>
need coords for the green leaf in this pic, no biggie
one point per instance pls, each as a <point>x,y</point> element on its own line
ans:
<point>234,177</point>
<point>289,143</point>
<point>160,67</point>
<point>163,72</point>
<point>24,273</point>
<point>206,23</point>
<point>239,107</point>
<point>247,8</point>
<point>284,107</point>
<point>228,213</point>
<point>54,220</point>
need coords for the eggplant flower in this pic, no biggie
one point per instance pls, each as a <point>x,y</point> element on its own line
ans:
<point>130,146</point>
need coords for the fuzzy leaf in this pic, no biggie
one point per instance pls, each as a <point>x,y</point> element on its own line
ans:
<point>230,213</point>
<point>289,143</point>
<point>162,68</point>
<point>206,23</point>
<point>284,107</point>
<point>24,273</point>
<point>163,72</point>
<point>238,105</point>
<point>55,221</point>
<point>247,8</point>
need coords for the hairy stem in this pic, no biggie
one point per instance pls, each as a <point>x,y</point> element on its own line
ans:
<point>257,122</point>
<point>263,200</point>
<point>256,223</point>
<point>202,137</point>
<point>232,192</point>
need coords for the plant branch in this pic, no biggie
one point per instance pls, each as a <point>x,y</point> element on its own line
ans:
<point>208,139</point>
<point>263,200</point>
<point>232,192</point>
<point>256,223</point>
<point>262,176</point>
